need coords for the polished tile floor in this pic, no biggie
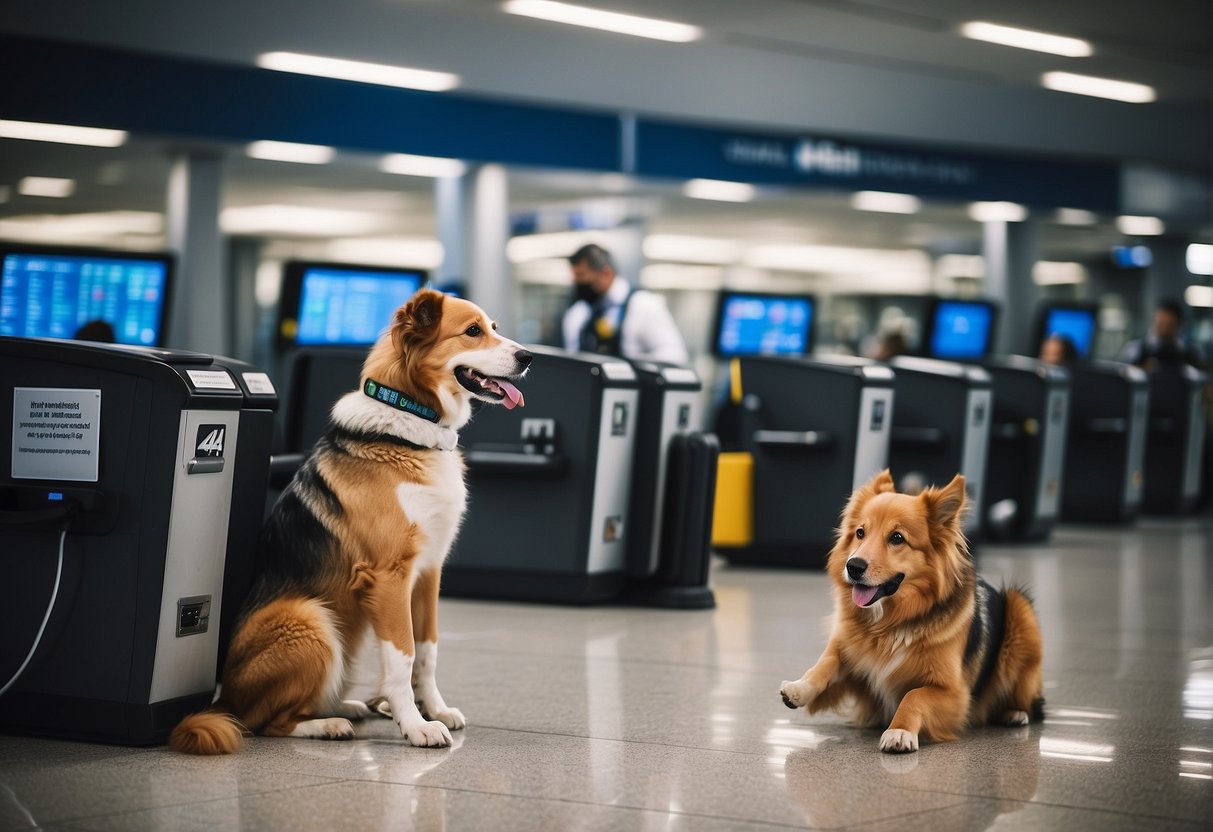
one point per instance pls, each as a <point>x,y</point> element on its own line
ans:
<point>635,719</point>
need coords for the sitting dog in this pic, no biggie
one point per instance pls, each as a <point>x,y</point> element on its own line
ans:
<point>352,552</point>
<point>920,643</point>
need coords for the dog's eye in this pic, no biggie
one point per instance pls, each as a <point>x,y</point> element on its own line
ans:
<point>896,539</point>
<point>473,331</point>
<point>859,533</point>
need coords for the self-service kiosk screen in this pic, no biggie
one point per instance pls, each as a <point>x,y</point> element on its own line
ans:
<point>1077,324</point>
<point>762,324</point>
<point>52,294</point>
<point>960,329</point>
<point>326,304</point>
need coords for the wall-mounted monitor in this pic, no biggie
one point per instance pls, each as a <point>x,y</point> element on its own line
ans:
<point>756,323</point>
<point>960,329</point>
<point>1078,322</point>
<point>51,292</point>
<point>338,304</point>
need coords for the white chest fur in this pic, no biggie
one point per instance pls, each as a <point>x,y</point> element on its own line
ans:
<point>436,507</point>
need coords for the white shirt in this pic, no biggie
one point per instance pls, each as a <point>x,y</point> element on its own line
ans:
<point>649,332</point>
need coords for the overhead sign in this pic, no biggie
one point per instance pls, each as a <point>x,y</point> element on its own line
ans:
<point>683,151</point>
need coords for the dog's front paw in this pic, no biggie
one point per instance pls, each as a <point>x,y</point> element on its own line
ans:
<point>452,718</point>
<point>897,741</point>
<point>1015,718</point>
<point>428,735</point>
<point>796,694</point>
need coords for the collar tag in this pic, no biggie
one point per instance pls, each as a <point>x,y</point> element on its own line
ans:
<point>397,400</point>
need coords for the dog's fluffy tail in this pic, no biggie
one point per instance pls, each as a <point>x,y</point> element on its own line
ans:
<point>209,732</point>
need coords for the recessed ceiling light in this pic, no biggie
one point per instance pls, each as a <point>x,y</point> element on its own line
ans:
<point>885,202</point>
<point>997,212</point>
<point>62,133</point>
<point>1198,295</point>
<point>297,221</point>
<point>1199,258</point>
<point>1126,91</point>
<point>719,190</point>
<point>46,186</point>
<point>1026,39</point>
<point>304,154</point>
<point>1057,273</point>
<point>624,24</point>
<point>1076,216</point>
<point>1140,226</point>
<point>406,164</point>
<point>367,73</point>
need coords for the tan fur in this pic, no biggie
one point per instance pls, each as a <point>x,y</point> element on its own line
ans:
<point>286,659</point>
<point>901,662</point>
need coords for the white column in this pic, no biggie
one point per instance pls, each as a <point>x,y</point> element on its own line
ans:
<point>201,297</point>
<point>1010,251</point>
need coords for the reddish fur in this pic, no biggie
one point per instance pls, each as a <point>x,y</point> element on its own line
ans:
<point>928,691</point>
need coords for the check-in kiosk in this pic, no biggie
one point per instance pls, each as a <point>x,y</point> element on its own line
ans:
<point>1175,445</point>
<point>941,427</point>
<point>548,486</point>
<point>815,428</point>
<point>1027,447</point>
<point>1105,442</point>
<point>130,502</point>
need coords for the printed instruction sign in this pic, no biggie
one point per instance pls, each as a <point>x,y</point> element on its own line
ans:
<point>56,433</point>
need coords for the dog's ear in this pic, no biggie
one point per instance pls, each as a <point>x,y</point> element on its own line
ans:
<point>879,484</point>
<point>945,505</point>
<point>417,320</point>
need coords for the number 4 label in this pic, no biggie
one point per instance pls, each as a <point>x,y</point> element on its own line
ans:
<point>210,440</point>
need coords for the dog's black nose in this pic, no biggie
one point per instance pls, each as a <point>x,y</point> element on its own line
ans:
<point>856,567</point>
<point>523,358</point>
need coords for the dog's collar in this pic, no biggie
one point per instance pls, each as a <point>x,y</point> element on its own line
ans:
<point>395,399</point>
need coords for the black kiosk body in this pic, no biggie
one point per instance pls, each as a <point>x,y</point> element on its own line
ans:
<point>941,427</point>
<point>816,428</point>
<point>548,486</point>
<point>163,456</point>
<point>1106,442</point>
<point>1027,447</point>
<point>1176,442</point>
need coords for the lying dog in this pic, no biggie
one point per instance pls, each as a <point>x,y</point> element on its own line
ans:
<point>919,642</point>
<point>353,550</point>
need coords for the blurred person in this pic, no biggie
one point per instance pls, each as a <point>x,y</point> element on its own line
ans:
<point>1165,343</point>
<point>1058,349</point>
<point>891,345</point>
<point>96,330</point>
<point>610,317</point>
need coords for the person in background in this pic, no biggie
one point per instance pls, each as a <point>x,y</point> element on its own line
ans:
<point>1058,349</point>
<point>96,330</point>
<point>891,344</point>
<point>1165,343</point>
<point>610,317</point>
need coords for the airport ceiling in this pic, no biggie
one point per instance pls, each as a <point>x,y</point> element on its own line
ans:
<point>875,69</point>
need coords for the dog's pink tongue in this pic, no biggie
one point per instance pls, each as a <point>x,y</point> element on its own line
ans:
<point>863,595</point>
<point>513,396</point>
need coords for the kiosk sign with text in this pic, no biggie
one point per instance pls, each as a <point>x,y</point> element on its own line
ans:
<point>56,433</point>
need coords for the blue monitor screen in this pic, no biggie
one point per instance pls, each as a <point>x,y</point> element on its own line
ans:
<point>764,325</point>
<point>347,306</point>
<point>53,295</point>
<point>1076,324</point>
<point>961,330</point>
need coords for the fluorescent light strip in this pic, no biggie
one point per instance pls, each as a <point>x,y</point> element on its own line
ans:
<point>885,203</point>
<point>1126,91</point>
<point>62,133</point>
<point>719,190</point>
<point>679,248</point>
<point>304,154</point>
<point>1058,273</point>
<point>1199,258</point>
<point>624,24</point>
<point>1076,216</point>
<point>1140,226</point>
<point>297,221</point>
<point>405,164</point>
<point>367,73</point>
<point>1026,39</point>
<point>46,186</point>
<point>1197,295</point>
<point>997,212</point>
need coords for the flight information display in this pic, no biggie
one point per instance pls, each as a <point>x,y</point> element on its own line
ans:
<point>51,295</point>
<point>349,306</point>
<point>1077,324</point>
<point>760,324</point>
<point>961,329</point>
